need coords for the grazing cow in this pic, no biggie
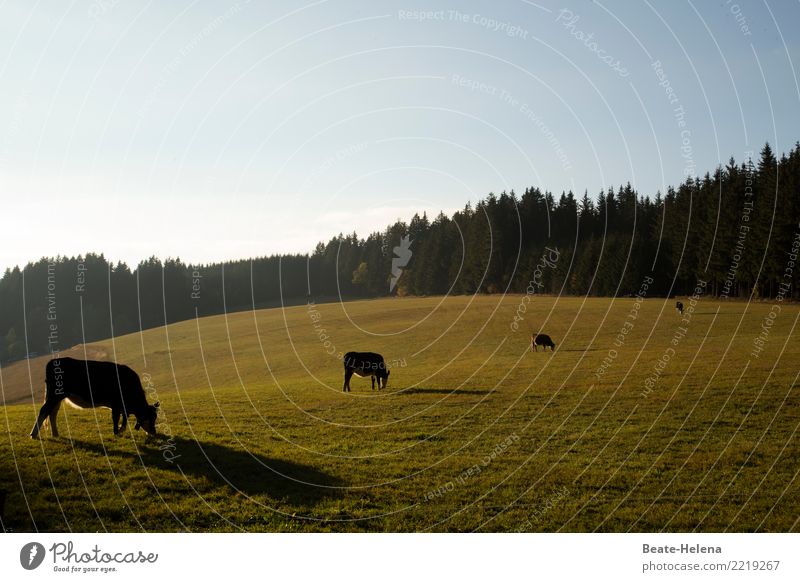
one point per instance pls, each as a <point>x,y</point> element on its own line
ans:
<point>540,339</point>
<point>679,307</point>
<point>91,384</point>
<point>365,364</point>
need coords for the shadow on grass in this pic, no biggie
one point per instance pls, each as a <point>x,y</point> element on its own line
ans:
<point>242,470</point>
<point>422,390</point>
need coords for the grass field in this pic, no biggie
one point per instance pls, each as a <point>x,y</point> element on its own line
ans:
<point>475,431</point>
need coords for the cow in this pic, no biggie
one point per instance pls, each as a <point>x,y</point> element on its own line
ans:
<point>679,307</point>
<point>540,339</point>
<point>92,384</point>
<point>365,364</point>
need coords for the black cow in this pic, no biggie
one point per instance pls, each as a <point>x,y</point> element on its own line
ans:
<point>679,307</point>
<point>540,339</point>
<point>91,384</point>
<point>365,364</point>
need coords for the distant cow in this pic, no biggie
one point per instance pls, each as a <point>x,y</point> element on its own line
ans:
<point>91,384</point>
<point>679,307</point>
<point>540,339</point>
<point>365,364</point>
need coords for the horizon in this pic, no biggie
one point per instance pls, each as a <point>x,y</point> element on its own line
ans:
<point>364,235</point>
<point>227,132</point>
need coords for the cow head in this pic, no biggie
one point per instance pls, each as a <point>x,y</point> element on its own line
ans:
<point>148,420</point>
<point>385,379</point>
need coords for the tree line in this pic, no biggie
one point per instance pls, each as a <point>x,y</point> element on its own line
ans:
<point>735,230</point>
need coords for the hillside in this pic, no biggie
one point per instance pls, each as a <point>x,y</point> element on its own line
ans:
<point>474,431</point>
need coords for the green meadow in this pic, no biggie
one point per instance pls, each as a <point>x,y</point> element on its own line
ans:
<point>657,424</point>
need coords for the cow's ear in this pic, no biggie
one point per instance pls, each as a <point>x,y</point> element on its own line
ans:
<point>156,405</point>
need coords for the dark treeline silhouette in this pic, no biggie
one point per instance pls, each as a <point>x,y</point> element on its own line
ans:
<point>736,230</point>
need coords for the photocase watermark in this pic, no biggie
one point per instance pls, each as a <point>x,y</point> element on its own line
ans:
<point>58,376</point>
<point>568,20</point>
<point>52,313</point>
<point>626,328</point>
<point>169,447</point>
<point>680,333</point>
<point>553,500</point>
<point>472,471</point>
<point>736,10</point>
<point>744,228</point>
<point>339,156</point>
<point>474,85</point>
<point>330,348</point>
<point>197,279</point>
<point>549,260</point>
<point>783,288</point>
<point>505,27</point>
<point>402,255</point>
<point>366,366</point>
<point>100,7</point>
<point>322,334</point>
<point>68,559</point>
<point>31,555</point>
<point>678,112</point>
<point>177,62</point>
<point>80,276</point>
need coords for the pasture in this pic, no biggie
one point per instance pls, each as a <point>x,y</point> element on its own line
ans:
<point>474,432</point>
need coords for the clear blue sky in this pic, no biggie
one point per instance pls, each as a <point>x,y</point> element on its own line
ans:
<point>210,130</point>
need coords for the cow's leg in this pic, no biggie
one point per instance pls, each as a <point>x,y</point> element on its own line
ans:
<point>348,373</point>
<point>115,412</point>
<point>37,426</point>
<point>53,416</point>
<point>373,382</point>
<point>44,412</point>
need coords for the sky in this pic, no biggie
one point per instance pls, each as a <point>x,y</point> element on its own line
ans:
<point>222,130</point>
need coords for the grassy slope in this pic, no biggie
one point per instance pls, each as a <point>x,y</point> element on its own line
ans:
<point>264,439</point>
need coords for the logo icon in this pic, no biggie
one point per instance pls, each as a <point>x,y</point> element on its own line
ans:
<point>400,260</point>
<point>31,555</point>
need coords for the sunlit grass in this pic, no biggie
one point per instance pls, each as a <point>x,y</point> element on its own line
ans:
<point>474,431</point>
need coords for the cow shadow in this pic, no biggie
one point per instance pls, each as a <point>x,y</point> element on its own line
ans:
<point>243,471</point>
<point>423,390</point>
